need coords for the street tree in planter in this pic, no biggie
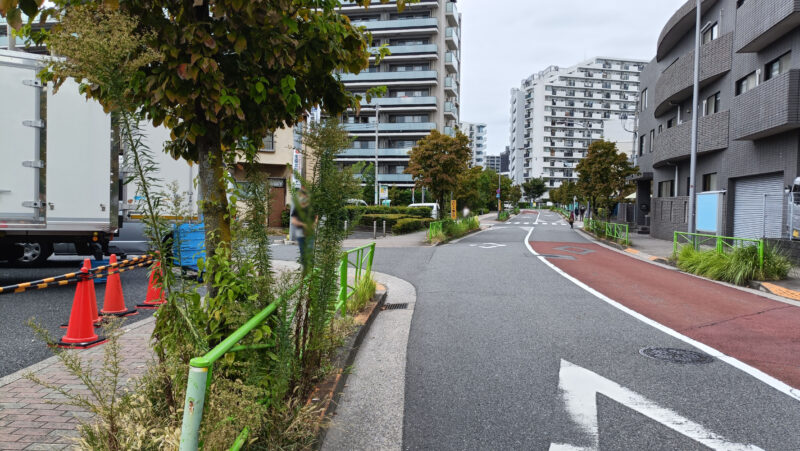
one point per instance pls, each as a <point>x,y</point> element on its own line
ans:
<point>230,72</point>
<point>534,188</point>
<point>603,175</point>
<point>436,163</point>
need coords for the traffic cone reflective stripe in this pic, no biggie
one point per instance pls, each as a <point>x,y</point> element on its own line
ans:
<point>155,295</point>
<point>80,331</point>
<point>114,299</point>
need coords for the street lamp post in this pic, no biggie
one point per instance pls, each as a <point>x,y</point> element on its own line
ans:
<point>691,220</point>
<point>377,121</point>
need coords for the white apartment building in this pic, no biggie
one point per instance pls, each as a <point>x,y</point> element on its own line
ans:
<point>477,141</point>
<point>558,112</point>
<point>422,77</point>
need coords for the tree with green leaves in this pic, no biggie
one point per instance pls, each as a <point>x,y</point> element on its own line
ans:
<point>368,181</point>
<point>603,175</point>
<point>436,163</point>
<point>534,188</point>
<point>230,72</point>
<point>515,194</point>
<point>399,196</point>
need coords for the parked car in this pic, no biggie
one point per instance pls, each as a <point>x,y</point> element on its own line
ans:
<point>433,206</point>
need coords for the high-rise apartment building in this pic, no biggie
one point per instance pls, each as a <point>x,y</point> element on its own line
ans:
<point>493,162</point>
<point>558,112</point>
<point>422,77</point>
<point>748,134</point>
<point>477,141</point>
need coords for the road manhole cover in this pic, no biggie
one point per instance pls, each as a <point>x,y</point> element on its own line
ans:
<point>675,355</point>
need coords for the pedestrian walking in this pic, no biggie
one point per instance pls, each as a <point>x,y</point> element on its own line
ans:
<point>571,219</point>
<point>583,211</point>
<point>301,219</point>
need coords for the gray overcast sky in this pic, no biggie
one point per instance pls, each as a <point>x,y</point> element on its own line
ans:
<point>505,41</point>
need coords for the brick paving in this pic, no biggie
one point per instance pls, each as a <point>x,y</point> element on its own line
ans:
<point>33,417</point>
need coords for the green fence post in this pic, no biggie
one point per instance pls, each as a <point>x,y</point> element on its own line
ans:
<point>193,408</point>
<point>675,243</point>
<point>761,254</point>
<point>343,283</point>
<point>720,249</point>
<point>370,255</point>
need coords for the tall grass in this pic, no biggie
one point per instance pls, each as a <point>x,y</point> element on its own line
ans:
<point>738,267</point>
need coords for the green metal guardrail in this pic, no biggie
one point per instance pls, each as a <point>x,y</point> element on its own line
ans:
<point>434,228</point>
<point>719,243</point>
<point>200,368</point>
<point>363,254</point>
<point>613,230</point>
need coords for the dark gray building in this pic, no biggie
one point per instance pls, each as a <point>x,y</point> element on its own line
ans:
<point>749,124</point>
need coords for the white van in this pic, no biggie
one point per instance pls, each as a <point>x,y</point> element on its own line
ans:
<point>433,206</point>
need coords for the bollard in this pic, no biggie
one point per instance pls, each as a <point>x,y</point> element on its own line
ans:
<point>345,225</point>
<point>374,230</point>
<point>384,228</point>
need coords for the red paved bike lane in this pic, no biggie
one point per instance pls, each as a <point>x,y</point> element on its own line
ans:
<point>758,331</point>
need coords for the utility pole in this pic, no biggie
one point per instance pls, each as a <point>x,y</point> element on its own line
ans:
<point>377,121</point>
<point>695,113</point>
<point>499,202</point>
<point>12,39</point>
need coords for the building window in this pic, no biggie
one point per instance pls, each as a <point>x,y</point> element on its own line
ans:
<point>740,3</point>
<point>407,119</point>
<point>660,128</point>
<point>644,100</point>
<point>711,34</point>
<point>711,105</point>
<point>778,66</point>
<point>665,188</point>
<point>747,83</point>
<point>641,145</point>
<point>671,122</point>
<point>269,143</point>
<point>408,67</point>
<point>710,182</point>
<point>652,139</point>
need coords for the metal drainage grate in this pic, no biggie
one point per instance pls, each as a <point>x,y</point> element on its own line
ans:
<point>395,306</point>
<point>674,355</point>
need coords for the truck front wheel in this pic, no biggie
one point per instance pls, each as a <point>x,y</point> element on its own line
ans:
<point>35,253</point>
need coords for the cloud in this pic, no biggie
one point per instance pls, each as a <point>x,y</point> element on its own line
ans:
<point>505,41</point>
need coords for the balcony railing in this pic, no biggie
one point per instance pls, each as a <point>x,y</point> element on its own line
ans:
<point>674,143</point>
<point>408,49</point>
<point>452,38</point>
<point>400,101</point>
<point>397,24</point>
<point>382,152</point>
<point>768,109</point>
<point>449,131</point>
<point>407,178</point>
<point>759,23</point>
<point>391,127</point>
<point>451,13</point>
<point>390,76</point>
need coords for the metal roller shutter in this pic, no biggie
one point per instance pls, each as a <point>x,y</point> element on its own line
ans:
<point>758,207</point>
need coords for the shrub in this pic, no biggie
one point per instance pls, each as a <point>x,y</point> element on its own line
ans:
<point>739,267</point>
<point>516,210</point>
<point>455,229</point>
<point>504,215</point>
<point>408,225</point>
<point>420,212</point>
<point>285,217</point>
<point>363,294</point>
<point>391,219</point>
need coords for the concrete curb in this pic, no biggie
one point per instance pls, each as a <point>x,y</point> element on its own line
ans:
<point>351,351</point>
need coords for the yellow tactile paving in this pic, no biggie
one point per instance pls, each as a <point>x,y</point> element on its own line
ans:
<point>632,251</point>
<point>780,291</point>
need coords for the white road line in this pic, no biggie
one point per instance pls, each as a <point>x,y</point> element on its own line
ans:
<point>526,223</point>
<point>516,223</point>
<point>736,363</point>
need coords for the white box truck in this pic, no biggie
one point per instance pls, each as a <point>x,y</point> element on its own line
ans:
<point>59,180</point>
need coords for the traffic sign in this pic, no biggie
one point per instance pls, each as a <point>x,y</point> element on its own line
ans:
<point>453,214</point>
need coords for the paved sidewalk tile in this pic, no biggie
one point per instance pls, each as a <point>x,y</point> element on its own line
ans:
<point>33,417</point>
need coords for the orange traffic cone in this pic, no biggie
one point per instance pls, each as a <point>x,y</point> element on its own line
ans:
<point>155,296</point>
<point>114,300</point>
<point>90,292</point>
<point>80,331</point>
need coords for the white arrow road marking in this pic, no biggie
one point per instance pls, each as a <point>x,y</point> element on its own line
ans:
<point>579,388</point>
<point>487,245</point>
<point>527,229</point>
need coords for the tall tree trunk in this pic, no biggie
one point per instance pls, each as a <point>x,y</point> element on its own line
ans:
<point>213,193</point>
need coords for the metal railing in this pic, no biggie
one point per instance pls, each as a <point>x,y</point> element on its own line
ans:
<point>434,228</point>
<point>613,230</point>
<point>719,243</point>
<point>200,368</point>
<point>359,258</point>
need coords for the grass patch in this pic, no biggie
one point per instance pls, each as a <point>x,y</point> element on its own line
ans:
<point>363,294</point>
<point>503,216</point>
<point>738,267</point>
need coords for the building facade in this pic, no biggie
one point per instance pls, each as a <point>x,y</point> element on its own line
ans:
<point>493,163</point>
<point>422,77</point>
<point>558,112</point>
<point>477,141</point>
<point>748,119</point>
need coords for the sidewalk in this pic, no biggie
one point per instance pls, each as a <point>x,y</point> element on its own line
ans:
<point>31,417</point>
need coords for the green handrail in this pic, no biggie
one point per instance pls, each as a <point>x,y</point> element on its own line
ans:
<point>434,228</point>
<point>346,290</point>
<point>200,368</point>
<point>720,243</point>
<point>613,230</point>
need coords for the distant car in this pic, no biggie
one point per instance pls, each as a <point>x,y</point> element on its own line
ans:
<point>357,202</point>
<point>433,206</point>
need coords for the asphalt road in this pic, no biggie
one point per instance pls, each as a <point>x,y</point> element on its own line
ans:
<point>50,307</point>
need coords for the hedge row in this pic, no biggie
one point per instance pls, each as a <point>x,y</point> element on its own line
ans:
<point>408,225</point>
<point>419,212</point>
<point>391,219</point>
